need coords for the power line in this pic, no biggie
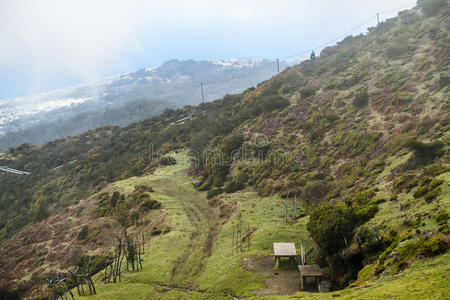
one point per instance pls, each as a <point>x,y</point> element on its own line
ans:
<point>276,61</point>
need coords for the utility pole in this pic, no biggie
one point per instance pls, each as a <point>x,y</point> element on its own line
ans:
<point>203,95</point>
<point>378,18</point>
<point>278,66</point>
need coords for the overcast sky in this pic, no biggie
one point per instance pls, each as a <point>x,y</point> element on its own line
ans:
<point>50,44</point>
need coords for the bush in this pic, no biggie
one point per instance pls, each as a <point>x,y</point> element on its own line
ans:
<point>431,195</point>
<point>422,190</point>
<point>331,226</point>
<point>167,160</point>
<point>401,98</point>
<point>426,152</point>
<point>435,169</point>
<point>431,7</point>
<point>150,204</point>
<point>233,186</point>
<point>83,233</point>
<point>214,192</point>
<point>308,91</point>
<point>367,237</point>
<point>361,98</point>
<point>315,191</point>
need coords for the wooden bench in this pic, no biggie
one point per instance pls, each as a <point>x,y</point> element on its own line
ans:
<point>309,271</point>
<point>284,250</point>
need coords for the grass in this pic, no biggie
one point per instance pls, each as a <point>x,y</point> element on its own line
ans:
<point>424,279</point>
<point>225,272</point>
<point>186,247</point>
<point>197,253</point>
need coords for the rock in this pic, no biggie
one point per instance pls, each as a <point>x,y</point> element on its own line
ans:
<point>197,183</point>
<point>324,286</point>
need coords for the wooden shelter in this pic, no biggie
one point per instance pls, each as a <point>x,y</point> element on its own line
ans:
<point>284,250</point>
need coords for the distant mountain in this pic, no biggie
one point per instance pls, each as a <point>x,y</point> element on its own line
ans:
<point>173,84</point>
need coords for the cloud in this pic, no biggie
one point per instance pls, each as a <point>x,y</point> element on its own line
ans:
<point>47,40</point>
<point>75,38</point>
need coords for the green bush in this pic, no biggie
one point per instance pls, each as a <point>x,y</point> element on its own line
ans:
<point>308,91</point>
<point>233,186</point>
<point>426,152</point>
<point>431,7</point>
<point>435,169</point>
<point>167,160</point>
<point>83,233</point>
<point>431,195</point>
<point>422,190</point>
<point>214,192</point>
<point>331,226</point>
<point>401,98</point>
<point>367,236</point>
<point>149,205</point>
<point>361,98</point>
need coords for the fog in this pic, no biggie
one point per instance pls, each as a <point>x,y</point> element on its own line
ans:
<point>46,45</point>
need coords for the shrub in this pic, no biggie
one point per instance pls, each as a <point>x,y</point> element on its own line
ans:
<point>167,160</point>
<point>435,169</point>
<point>302,181</point>
<point>315,191</point>
<point>435,183</point>
<point>83,233</point>
<point>367,237</point>
<point>431,195</point>
<point>401,98</point>
<point>412,184</point>
<point>233,186</point>
<point>150,204</point>
<point>331,226</point>
<point>431,7</point>
<point>361,98</point>
<point>426,152</point>
<point>422,190</point>
<point>308,91</point>
<point>442,217</point>
<point>395,51</point>
<point>366,213</point>
<point>214,192</point>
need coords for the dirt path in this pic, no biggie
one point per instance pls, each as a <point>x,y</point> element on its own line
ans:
<point>205,225</point>
<point>281,282</point>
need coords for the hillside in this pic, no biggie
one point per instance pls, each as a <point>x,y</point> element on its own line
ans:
<point>358,135</point>
<point>142,94</point>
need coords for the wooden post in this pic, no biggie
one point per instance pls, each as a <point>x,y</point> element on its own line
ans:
<point>232,241</point>
<point>278,66</point>
<point>248,237</point>
<point>378,18</point>
<point>302,255</point>
<point>203,94</point>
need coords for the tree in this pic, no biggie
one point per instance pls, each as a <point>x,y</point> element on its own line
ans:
<point>313,55</point>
